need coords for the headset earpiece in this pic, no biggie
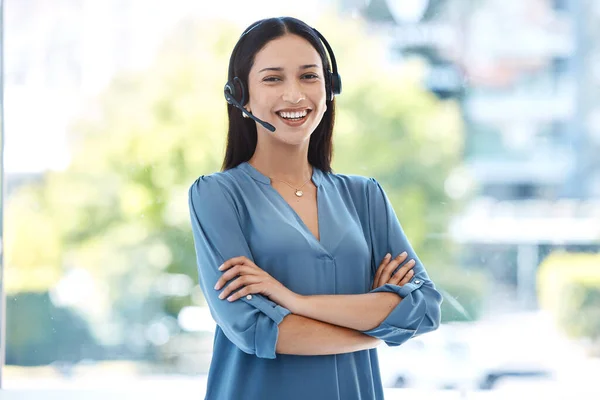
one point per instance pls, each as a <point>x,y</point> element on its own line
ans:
<point>229,93</point>
<point>236,91</point>
<point>335,83</point>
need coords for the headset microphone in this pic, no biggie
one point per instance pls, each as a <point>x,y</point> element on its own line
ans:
<point>229,96</point>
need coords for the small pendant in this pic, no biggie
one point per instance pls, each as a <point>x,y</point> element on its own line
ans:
<point>299,193</point>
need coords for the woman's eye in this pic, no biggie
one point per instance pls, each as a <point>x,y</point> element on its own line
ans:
<point>277,79</point>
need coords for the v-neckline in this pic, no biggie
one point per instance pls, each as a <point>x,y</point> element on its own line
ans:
<point>299,218</point>
<point>316,179</point>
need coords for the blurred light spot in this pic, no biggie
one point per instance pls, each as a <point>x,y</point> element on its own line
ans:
<point>160,256</point>
<point>458,184</point>
<point>407,11</point>
<point>157,333</point>
<point>76,285</point>
<point>174,285</point>
<point>194,319</point>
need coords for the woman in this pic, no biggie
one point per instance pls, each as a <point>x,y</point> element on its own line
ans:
<point>287,250</point>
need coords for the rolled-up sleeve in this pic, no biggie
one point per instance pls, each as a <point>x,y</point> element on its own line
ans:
<point>419,310</point>
<point>251,323</point>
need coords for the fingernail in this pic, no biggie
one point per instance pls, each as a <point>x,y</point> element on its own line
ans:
<point>403,253</point>
<point>230,298</point>
<point>388,255</point>
<point>220,267</point>
<point>221,296</point>
<point>216,286</point>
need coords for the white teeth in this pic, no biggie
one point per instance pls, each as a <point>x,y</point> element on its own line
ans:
<point>295,114</point>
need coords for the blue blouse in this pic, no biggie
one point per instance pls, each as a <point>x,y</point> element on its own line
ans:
<point>238,213</point>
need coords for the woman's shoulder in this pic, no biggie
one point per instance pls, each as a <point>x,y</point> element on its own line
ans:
<point>226,177</point>
<point>352,181</point>
<point>219,181</point>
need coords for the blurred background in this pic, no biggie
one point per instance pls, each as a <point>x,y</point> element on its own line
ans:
<point>480,118</point>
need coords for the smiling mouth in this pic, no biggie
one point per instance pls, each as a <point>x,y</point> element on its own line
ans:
<point>294,116</point>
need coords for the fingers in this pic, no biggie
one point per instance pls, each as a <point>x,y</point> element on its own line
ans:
<point>404,274</point>
<point>406,278</point>
<point>250,278</point>
<point>233,261</point>
<point>390,267</point>
<point>246,290</point>
<point>384,262</point>
<point>232,272</point>
<point>245,280</point>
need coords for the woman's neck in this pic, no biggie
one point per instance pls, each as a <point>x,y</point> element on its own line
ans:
<point>293,169</point>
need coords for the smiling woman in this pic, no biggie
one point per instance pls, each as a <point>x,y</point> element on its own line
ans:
<point>296,94</point>
<point>295,261</point>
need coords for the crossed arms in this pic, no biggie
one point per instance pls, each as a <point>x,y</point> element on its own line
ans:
<point>274,320</point>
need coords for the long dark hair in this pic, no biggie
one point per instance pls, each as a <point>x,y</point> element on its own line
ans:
<point>242,136</point>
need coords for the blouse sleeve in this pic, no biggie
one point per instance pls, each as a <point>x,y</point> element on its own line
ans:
<point>250,323</point>
<point>419,310</point>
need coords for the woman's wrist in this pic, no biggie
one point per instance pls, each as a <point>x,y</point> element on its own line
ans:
<point>295,303</point>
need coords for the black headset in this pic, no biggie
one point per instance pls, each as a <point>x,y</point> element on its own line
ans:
<point>237,95</point>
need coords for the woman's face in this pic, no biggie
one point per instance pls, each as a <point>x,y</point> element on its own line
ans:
<point>287,88</point>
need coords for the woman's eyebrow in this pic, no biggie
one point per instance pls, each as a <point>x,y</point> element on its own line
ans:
<point>306,66</point>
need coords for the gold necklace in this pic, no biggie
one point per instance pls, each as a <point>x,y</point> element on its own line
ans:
<point>298,192</point>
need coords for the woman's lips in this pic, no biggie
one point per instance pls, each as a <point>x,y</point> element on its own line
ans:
<point>295,122</point>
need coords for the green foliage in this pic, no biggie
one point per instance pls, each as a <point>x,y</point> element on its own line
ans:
<point>40,333</point>
<point>120,209</point>
<point>569,287</point>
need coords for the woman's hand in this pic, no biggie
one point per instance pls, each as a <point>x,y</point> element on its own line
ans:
<point>252,280</point>
<point>401,277</point>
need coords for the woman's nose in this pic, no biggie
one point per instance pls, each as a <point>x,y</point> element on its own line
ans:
<point>293,94</point>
